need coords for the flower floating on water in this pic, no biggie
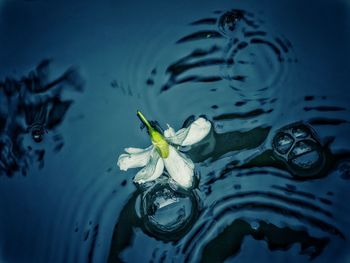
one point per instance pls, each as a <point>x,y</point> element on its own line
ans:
<point>164,152</point>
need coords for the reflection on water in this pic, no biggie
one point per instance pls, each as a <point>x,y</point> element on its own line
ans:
<point>271,176</point>
<point>33,106</point>
<point>277,239</point>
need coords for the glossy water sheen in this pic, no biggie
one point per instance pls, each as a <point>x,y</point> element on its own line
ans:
<point>272,177</point>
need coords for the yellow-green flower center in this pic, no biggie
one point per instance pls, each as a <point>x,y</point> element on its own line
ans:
<point>157,138</point>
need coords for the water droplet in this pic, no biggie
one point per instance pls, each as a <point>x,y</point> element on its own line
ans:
<point>282,142</point>
<point>255,225</point>
<point>300,132</point>
<point>38,132</point>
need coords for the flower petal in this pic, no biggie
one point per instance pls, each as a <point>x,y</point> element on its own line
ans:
<point>197,131</point>
<point>152,170</point>
<point>134,158</point>
<point>179,167</point>
<point>190,135</point>
<point>176,138</point>
<point>169,132</point>
<point>134,150</point>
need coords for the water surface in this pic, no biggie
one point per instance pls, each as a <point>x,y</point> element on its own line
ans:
<point>272,177</point>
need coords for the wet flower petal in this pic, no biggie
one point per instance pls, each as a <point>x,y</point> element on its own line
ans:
<point>197,131</point>
<point>134,158</point>
<point>163,153</point>
<point>190,135</point>
<point>170,132</point>
<point>179,167</point>
<point>152,170</point>
<point>132,150</point>
<point>176,138</point>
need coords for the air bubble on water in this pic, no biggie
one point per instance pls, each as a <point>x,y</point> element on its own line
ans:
<point>38,131</point>
<point>307,160</point>
<point>37,135</point>
<point>301,148</point>
<point>283,142</point>
<point>300,132</point>
<point>255,225</point>
<point>166,210</point>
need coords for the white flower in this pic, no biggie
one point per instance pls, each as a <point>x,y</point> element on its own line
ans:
<point>164,153</point>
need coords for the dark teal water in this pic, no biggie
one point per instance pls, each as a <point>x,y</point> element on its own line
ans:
<point>272,177</point>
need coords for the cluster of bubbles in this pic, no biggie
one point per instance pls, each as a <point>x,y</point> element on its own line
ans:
<point>297,146</point>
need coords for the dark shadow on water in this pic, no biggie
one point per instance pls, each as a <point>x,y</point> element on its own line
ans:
<point>229,242</point>
<point>32,108</point>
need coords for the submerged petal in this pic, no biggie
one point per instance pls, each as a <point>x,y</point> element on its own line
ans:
<point>190,135</point>
<point>152,170</point>
<point>134,158</point>
<point>179,167</point>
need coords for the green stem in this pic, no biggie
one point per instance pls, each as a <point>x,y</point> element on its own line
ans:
<point>144,120</point>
